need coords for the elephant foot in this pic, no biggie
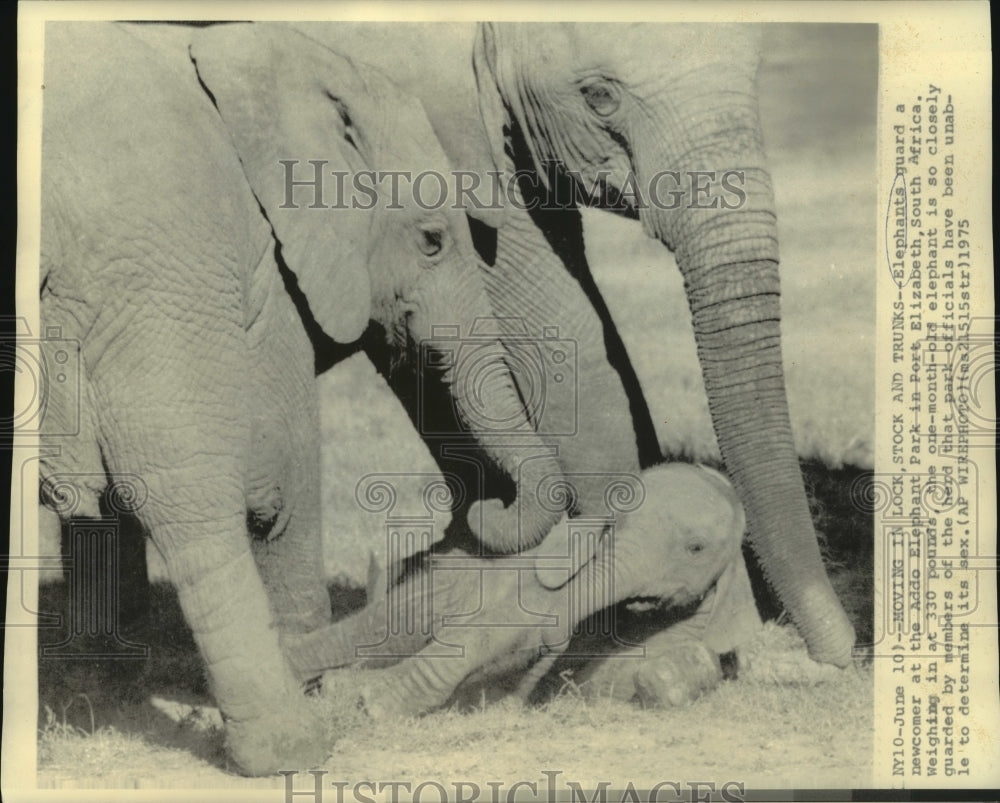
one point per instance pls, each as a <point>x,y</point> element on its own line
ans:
<point>677,679</point>
<point>382,700</point>
<point>294,737</point>
<point>365,692</point>
<point>377,707</point>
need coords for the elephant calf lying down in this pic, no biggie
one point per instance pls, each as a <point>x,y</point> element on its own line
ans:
<point>467,616</point>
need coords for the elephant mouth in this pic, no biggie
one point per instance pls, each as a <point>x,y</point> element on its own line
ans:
<point>609,198</point>
<point>652,605</point>
<point>597,190</point>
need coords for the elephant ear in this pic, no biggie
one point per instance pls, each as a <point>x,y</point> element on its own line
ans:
<point>491,106</point>
<point>281,96</point>
<point>734,620</point>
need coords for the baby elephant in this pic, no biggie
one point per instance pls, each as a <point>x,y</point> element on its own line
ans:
<point>464,617</point>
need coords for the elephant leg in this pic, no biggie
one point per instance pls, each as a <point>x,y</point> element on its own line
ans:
<point>181,425</point>
<point>683,670</point>
<point>284,501</point>
<point>353,640</point>
<point>682,662</point>
<point>535,673</point>
<point>71,469</point>
<point>480,615</point>
<point>73,479</point>
<point>134,603</point>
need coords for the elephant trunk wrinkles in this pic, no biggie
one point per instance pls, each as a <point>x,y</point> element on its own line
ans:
<point>488,405</point>
<point>741,364</point>
<point>729,260</point>
<point>612,577</point>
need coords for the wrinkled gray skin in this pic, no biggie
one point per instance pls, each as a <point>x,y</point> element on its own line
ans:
<point>633,100</point>
<point>162,238</point>
<point>466,618</point>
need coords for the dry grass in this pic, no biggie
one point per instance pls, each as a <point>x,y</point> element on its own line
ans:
<point>783,722</point>
<point>748,728</point>
<point>63,746</point>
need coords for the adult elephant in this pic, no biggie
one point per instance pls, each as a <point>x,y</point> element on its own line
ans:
<point>658,122</point>
<point>175,254</point>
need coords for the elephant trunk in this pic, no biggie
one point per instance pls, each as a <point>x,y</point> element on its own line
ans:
<point>612,577</point>
<point>740,354</point>
<point>478,376</point>
<point>725,240</point>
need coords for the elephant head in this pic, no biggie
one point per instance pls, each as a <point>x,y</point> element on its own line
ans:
<point>370,228</point>
<point>662,123</point>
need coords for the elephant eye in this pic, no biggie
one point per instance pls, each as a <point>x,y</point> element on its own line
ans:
<point>695,547</point>
<point>602,96</point>
<point>345,119</point>
<point>431,241</point>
